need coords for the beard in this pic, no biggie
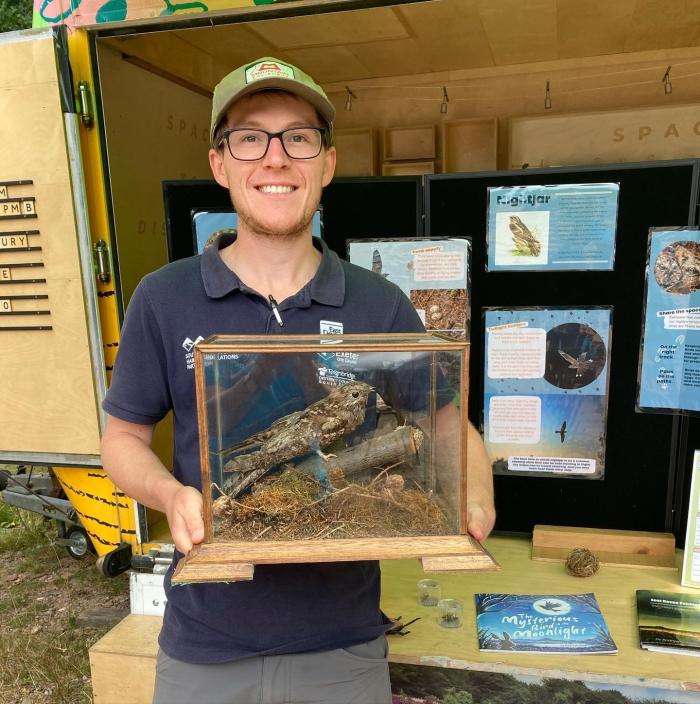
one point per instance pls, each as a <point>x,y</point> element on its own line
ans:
<point>292,231</point>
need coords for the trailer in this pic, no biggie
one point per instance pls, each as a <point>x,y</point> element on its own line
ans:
<point>103,102</point>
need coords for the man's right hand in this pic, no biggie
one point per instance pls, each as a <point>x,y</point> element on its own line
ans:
<point>132,465</point>
<point>184,513</point>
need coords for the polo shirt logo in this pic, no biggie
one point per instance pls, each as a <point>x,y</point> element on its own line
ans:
<point>329,327</point>
<point>188,345</point>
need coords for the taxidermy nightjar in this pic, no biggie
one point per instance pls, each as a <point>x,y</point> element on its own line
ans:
<point>296,434</point>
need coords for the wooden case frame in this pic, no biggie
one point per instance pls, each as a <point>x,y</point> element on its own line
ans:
<point>234,561</point>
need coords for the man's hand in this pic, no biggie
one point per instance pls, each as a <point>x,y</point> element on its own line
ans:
<point>131,464</point>
<point>184,513</point>
<point>480,519</point>
<point>481,513</point>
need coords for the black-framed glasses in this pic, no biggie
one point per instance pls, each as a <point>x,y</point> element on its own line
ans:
<point>298,142</point>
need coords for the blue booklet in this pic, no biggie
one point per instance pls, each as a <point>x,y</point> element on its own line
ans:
<point>542,623</point>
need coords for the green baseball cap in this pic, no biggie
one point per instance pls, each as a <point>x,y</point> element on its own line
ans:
<point>267,73</point>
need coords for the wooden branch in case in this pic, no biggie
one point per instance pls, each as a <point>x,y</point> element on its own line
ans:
<point>381,450</point>
<point>611,547</point>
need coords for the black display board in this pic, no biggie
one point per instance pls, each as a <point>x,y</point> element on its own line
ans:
<point>648,458</point>
<point>372,206</point>
<point>180,198</point>
<point>353,208</point>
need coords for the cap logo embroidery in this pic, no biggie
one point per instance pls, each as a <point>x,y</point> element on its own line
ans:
<point>268,69</point>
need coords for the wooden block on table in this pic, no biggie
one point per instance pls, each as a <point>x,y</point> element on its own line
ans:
<point>611,547</point>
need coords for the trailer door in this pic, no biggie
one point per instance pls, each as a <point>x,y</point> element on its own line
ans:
<point>52,368</point>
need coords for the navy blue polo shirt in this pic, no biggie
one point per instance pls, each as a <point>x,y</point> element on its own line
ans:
<point>285,608</point>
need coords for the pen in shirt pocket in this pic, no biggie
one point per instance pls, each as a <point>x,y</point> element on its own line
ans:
<point>275,310</point>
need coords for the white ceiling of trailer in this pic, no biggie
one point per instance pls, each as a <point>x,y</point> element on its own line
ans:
<point>442,35</point>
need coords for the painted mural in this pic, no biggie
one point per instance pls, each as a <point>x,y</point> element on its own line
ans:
<point>76,13</point>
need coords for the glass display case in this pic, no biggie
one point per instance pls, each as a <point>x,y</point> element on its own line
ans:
<point>318,448</point>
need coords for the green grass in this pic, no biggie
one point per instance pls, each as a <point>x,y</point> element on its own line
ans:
<point>49,666</point>
<point>43,649</point>
<point>20,529</point>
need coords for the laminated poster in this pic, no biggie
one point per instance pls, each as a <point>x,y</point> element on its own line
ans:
<point>669,378</point>
<point>552,228</point>
<point>432,272</point>
<point>691,557</point>
<point>207,225</point>
<point>546,390</point>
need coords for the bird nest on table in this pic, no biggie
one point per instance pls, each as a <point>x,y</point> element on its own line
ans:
<point>293,505</point>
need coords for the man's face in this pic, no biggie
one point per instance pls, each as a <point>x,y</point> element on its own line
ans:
<point>274,196</point>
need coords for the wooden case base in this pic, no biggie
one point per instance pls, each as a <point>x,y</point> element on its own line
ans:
<point>232,562</point>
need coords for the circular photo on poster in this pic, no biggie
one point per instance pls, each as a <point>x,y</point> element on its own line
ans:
<point>575,356</point>
<point>677,267</point>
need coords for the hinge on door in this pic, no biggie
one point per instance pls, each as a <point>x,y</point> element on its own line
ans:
<point>102,261</point>
<point>85,104</point>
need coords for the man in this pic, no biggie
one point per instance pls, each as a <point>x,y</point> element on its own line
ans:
<point>295,633</point>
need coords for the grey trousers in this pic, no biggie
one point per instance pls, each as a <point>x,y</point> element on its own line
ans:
<point>355,675</point>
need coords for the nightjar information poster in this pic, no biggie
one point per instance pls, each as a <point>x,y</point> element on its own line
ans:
<point>552,228</point>
<point>669,378</point>
<point>432,272</point>
<point>546,390</point>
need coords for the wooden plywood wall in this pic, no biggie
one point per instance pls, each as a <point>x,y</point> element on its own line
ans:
<point>48,395</point>
<point>156,130</point>
<point>494,57</point>
<point>644,134</point>
<point>592,85</point>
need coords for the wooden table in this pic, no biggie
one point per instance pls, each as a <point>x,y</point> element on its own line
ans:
<point>614,587</point>
<point>128,651</point>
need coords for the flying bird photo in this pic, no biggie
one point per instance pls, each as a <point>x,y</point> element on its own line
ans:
<point>562,431</point>
<point>580,363</point>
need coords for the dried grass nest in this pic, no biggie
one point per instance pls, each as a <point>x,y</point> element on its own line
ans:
<point>294,505</point>
<point>581,562</point>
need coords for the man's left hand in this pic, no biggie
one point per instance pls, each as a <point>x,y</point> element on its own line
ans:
<point>480,519</point>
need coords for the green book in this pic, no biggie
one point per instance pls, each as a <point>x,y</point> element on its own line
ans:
<point>669,622</point>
